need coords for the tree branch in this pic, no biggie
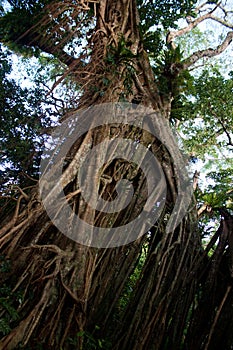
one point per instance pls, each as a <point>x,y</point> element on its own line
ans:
<point>210,52</point>
<point>193,23</point>
<point>230,143</point>
<point>222,21</point>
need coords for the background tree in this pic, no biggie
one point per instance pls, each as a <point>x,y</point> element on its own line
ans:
<point>59,294</point>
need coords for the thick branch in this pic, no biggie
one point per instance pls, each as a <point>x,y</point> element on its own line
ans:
<point>193,23</point>
<point>210,52</point>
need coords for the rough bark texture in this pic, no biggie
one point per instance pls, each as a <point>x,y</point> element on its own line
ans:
<point>67,288</point>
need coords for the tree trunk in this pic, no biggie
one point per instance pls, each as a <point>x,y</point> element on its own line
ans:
<point>65,287</point>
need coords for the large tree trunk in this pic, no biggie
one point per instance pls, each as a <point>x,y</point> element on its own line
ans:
<point>65,287</point>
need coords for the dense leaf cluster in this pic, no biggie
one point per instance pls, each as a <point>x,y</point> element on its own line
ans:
<point>21,122</point>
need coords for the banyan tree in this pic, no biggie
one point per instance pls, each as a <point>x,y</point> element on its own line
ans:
<point>162,289</point>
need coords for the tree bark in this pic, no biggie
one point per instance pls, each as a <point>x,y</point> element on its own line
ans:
<point>66,287</point>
